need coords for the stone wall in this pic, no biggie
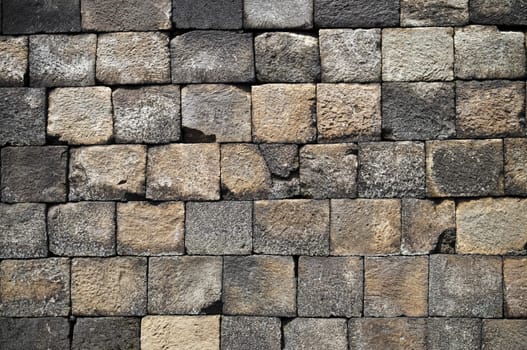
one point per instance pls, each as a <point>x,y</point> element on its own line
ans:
<point>247,174</point>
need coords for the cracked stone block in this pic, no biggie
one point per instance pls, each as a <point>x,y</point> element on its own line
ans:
<point>356,13</point>
<point>391,169</point>
<point>315,333</point>
<point>183,172</point>
<point>259,285</point>
<point>423,13</point>
<point>465,286</point>
<point>241,332</point>
<point>515,166</point>
<point>511,13</point>
<point>184,285</point>
<point>80,115</point>
<point>35,288</point>
<point>114,172</point>
<point>418,111</point>
<point>216,113</point>
<point>204,14</point>
<point>13,60</point>
<point>23,231</point>
<point>278,14</point>
<point>149,114</point>
<point>148,229</point>
<point>387,333</point>
<point>487,53</point>
<point>515,286</point>
<point>133,58</point>
<point>50,333</point>
<point>348,112</point>
<point>109,286</point>
<point>504,334</point>
<point>330,286</point>
<point>464,168</point>
<point>453,333</point>
<point>286,57</point>
<point>82,229</point>
<point>209,56</point>
<point>284,113</point>
<point>62,60</point>
<point>34,174</point>
<point>218,228</point>
<point>417,54</point>
<point>106,333</point>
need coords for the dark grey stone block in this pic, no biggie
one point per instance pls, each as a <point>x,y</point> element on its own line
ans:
<point>315,333</point>
<point>206,14</point>
<point>278,14</point>
<point>453,333</point>
<point>356,13</point>
<point>34,333</point>
<point>109,333</point>
<point>250,333</point>
<point>498,12</point>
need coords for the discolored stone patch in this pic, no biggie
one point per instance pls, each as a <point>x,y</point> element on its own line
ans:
<point>504,334</point>
<point>511,13</point>
<point>453,333</point>
<point>204,14</point>
<point>50,333</point>
<point>315,333</point>
<point>243,332</point>
<point>106,333</point>
<point>515,166</point>
<point>387,333</point>
<point>421,13</point>
<point>356,13</point>
<point>283,163</point>
<point>13,60</point>
<point>274,14</point>
<point>515,286</point>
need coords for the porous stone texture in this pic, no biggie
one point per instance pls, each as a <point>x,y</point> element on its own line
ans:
<point>286,57</point>
<point>34,174</point>
<point>22,116</point>
<point>515,286</point>
<point>216,113</point>
<point>387,333</point>
<point>490,109</point>
<point>330,287</point>
<point>23,231</point>
<point>464,168</point>
<point>144,228</point>
<point>108,286</point>
<point>391,169</point>
<point>284,113</point>
<point>13,60</point>
<point>348,55</point>
<point>504,334</point>
<point>273,14</point>
<point>113,172</point>
<point>418,111</point>
<point>133,58</point>
<point>62,60</point>
<point>250,333</point>
<point>313,333</point>
<point>136,15</point>
<point>422,13</point>
<point>150,114</point>
<point>259,285</point>
<point>453,333</point>
<point>465,286</point>
<point>356,13</point>
<point>515,166</point>
<point>291,227</point>
<point>35,288</point>
<point>498,12</point>
<point>204,14</point>
<point>484,52</point>
<point>218,228</point>
<point>202,56</point>
<point>106,333</point>
<point>283,162</point>
<point>183,172</point>
<point>80,115</point>
<point>50,333</point>
<point>365,226</point>
<point>184,285</point>
<point>417,54</point>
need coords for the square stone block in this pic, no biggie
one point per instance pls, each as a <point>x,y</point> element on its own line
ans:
<point>453,333</point>
<point>23,231</point>
<point>241,332</point>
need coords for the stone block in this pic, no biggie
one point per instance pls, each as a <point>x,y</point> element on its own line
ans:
<point>106,333</point>
<point>515,166</point>
<point>356,13</point>
<point>510,13</point>
<point>278,14</point>
<point>387,333</point>
<point>283,163</point>
<point>515,286</point>
<point>23,231</point>
<point>504,334</point>
<point>422,13</point>
<point>453,333</point>
<point>49,333</point>
<point>204,14</point>
<point>13,60</point>
<point>241,332</point>
<point>315,333</point>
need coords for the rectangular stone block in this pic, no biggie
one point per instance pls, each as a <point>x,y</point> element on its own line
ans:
<point>13,60</point>
<point>106,333</point>
<point>283,163</point>
<point>315,333</point>
<point>241,332</point>
<point>278,14</point>
<point>356,13</point>
<point>510,13</point>
<point>50,333</point>
<point>515,286</point>
<point>23,231</point>
<point>453,333</point>
<point>504,334</point>
<point>204,14</point>
<point>422,13</point>
<point>387,333</point>
<point>515,166</point>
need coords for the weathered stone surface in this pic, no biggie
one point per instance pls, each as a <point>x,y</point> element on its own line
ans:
<point>62,60</point>
<point>515,286</point>
<point>184,285</point>
<point>114,172</point>
<point>22,116</point>
<point>282,159</point>
<point>203,56</point>
<point>417,54</point>
<point>421,13</point>
<point>487,53</point>
<point>278,14</point>
<point>291,227</point>
<point>106,333</point>
<point>29,16</point>
<point>284,113</point>
<point>81,115</point>
<point>515,166</point>
<point>418,111</point>
<point>490,108</point>
<point>498,12</point>
<point>34,333</point>
<point>35,288</point>
<point>504,334</point>
<point>180,332</point>
<point>391,169</point>
<point>356,13</point>
<point>150,114</point>
<point>23,231</point>
<point>258,333</point>
<point>259,285</point>
<point>34,174</point>
<point>348,55</point>
<point>453,333</point>
<point>216,113</point>
<point>184,172</point>
<point>464,168</point>
<point>108,286</point>
<point>328,171</point>
<point>136,15</point>
<point>204,14</point>
<point>150,229</point>
<point>218,228</point>
<point>426,225</point>
<point>330,286</point>
<point>348,112</point>
<point>396,286</point>
<point>13,60</point>
<point>365,226</point>
<point>133,58</point>
<point>315,333</point>
<point>465,286</point>
<point>82,229</point>
<point>387,333</point>
<point>286,57</point>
